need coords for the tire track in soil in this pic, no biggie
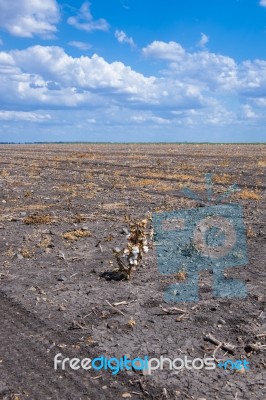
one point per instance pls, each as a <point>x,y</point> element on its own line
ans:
<point>27,364</point>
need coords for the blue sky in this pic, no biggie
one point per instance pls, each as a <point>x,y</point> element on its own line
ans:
<point>131,70</point>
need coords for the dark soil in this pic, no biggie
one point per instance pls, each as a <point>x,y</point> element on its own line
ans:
<point>54,295</point>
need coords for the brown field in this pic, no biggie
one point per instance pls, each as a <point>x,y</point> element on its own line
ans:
<point>63,210</point>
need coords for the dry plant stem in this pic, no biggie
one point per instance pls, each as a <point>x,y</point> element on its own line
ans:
<point>225,346</point>
<point>182,316</point>
<point>215,351</point>
<point>137,245</point>
<point>116,309</point>
<point>257,347</point>
<point>260,335</point>
<point>124,303</point>
<point>174,309</point>
<point>122,268</point>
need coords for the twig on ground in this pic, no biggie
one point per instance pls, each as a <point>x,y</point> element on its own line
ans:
<point>115,308</point>
<point>215,351</point>
<point>182,316</point>
<point>255,347</point>
<point>225,346</point>
<point>260,335</point>
<point>172,310</point>
<point>96,377</point>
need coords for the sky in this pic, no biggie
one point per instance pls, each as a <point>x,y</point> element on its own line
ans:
<point>133,70</point>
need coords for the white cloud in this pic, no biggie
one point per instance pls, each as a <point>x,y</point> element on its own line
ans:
<point>46,78</point>
<point>195,89</point>
<point>253,78</point>
<point>84,20</point>
<point>123,38</point>
<point>143,118</point>
<point>263,3</point>
<point>84,73</point>
<point>206,69</point>
<point>27,18</point>
<point>248,112</point>
<point>165,51</point>
<point>23,116</point>
<point>80,45</point>
<point>203,40</point>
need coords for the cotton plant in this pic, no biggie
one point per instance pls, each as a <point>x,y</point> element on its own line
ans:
<point>130,257</point>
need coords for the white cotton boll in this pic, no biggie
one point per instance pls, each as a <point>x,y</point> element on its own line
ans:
<point>145,249</point>
<point>135,262</point>
<point>135,249</point>
<point>145,242</point>
<point>128,236</point>
<point>126,251</point>
<point>131,261</point>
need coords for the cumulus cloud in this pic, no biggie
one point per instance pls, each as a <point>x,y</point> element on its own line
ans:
<point>203,40</point>
<point>164,51</point>
<point>40,77</point>
<point>84,73</point>
<point>27,18</point>
<point>263,3</point>
<point>193,90</point>
<point>253,78</point>
<point>80,45</point>
<point>205,68</point>
<point>123,38</point>
<point>84,20</point>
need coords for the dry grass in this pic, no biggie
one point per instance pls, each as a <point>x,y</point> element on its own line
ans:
<point>10,253</point>
<point>4,173</point>
<point>90,341</point>
<point>15,397</point>
<point>262,163</point>
<point>45,242</point>
<point>224,163</point>
<point>37,219</point>
<point>224,178</point>
<point>113,206</point>
<point>247,194</point>
<point>27,253</point>
<point>250,232</point>
<point>131,323</point>
<point>27,193</point>
<point>181,275</point>
<point>78,218</point>
<point>76,234</point>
